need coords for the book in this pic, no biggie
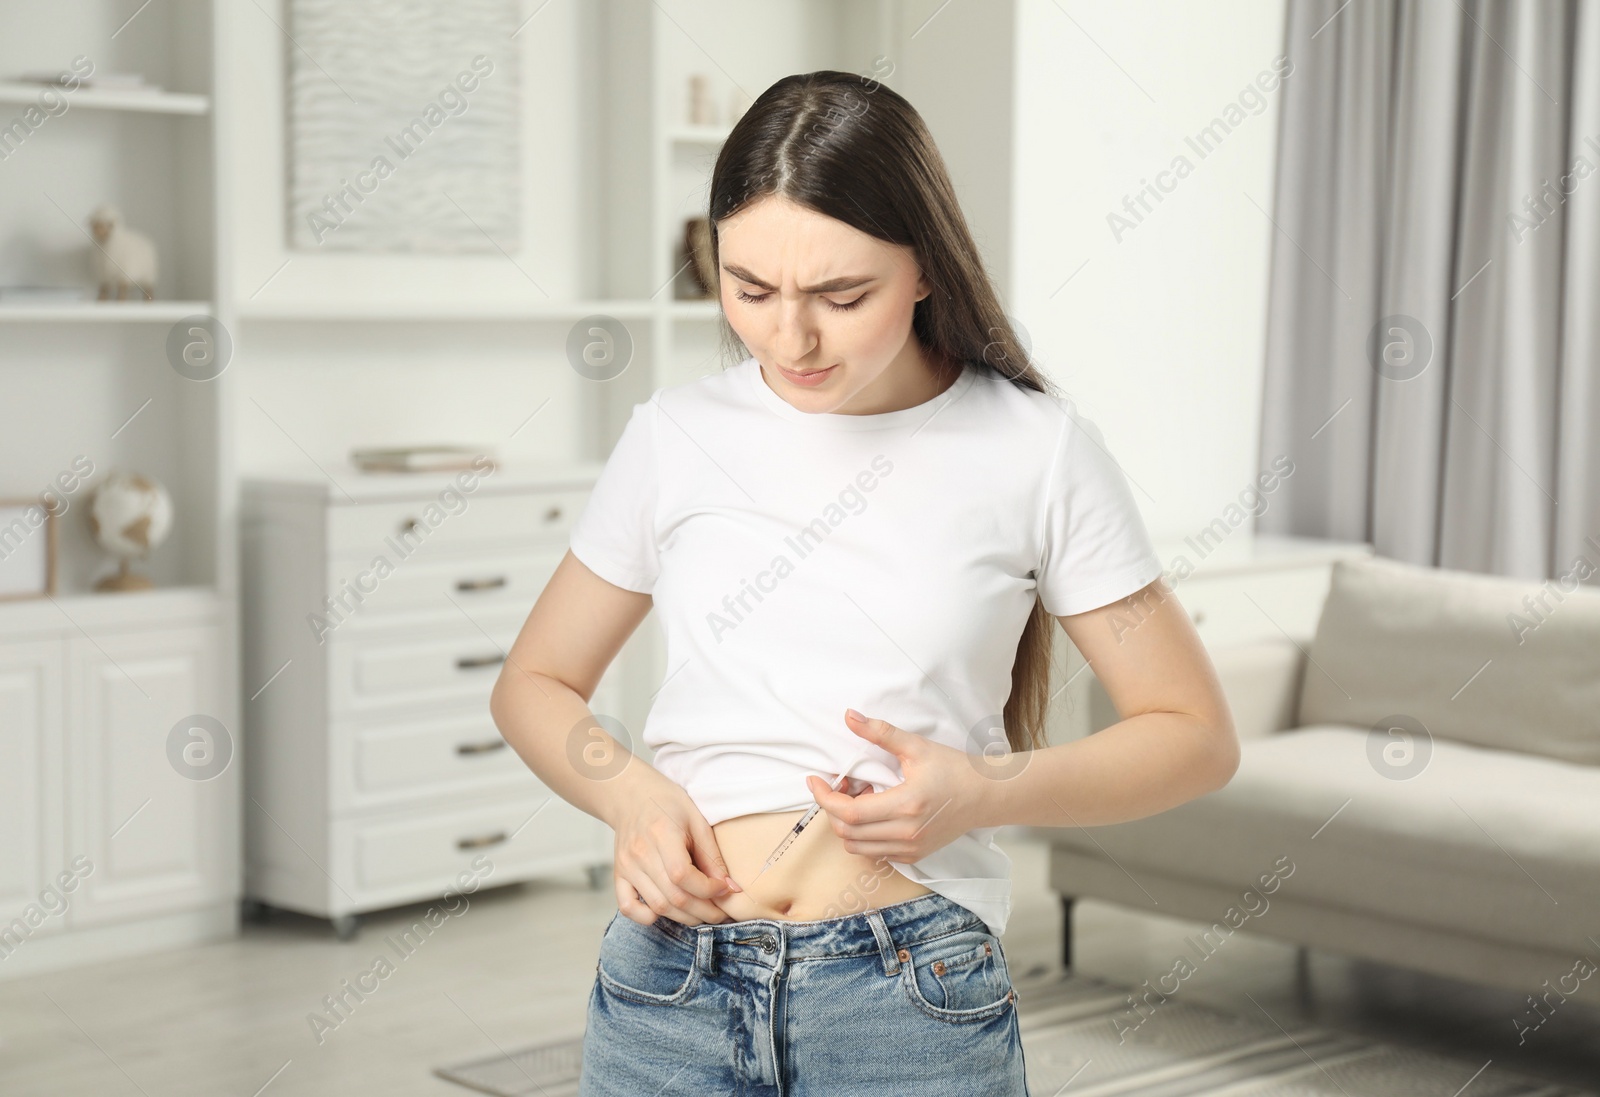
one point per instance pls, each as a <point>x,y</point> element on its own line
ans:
<point>419,458</point>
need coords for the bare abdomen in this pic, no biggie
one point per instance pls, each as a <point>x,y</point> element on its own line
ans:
<point>816,877</point>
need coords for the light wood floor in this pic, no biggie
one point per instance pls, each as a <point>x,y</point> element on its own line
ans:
<point>516,968</point>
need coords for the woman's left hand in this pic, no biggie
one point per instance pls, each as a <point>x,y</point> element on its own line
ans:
<point>939,800</point>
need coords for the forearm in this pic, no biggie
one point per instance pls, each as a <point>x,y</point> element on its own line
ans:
<point>555,734</point>
<point>1136,768</point>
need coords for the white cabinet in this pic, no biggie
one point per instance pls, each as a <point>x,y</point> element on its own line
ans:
<point>120,834</point>
<point>153,825</point>
<point>374,629</point>
<point>30,786</point>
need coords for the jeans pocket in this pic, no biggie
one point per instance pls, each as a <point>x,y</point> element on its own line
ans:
<point>646,964</point>
<point>960,977</point>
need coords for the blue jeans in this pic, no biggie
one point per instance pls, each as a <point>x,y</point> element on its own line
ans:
<point>912,999</point>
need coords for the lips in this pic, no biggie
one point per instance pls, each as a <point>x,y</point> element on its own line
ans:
<point>809,378</point>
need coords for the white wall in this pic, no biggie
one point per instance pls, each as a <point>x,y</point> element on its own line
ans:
<point>1161,335</point>
<point>322,388</point>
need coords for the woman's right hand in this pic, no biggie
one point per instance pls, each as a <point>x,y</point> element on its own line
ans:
<point>667,861</point>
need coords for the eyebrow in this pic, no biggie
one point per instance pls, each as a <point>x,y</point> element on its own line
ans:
<point>834,285</point>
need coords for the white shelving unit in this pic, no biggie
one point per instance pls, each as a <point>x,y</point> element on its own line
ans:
<point>330,350</point>
<point>104,312</point>
<point>92,685</point>
<point>151,102</point>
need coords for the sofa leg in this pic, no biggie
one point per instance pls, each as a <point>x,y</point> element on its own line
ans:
<point>1066,932</point>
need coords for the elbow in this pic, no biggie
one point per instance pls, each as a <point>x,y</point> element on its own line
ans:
<point>502,703</point>
<point>1225,750</point>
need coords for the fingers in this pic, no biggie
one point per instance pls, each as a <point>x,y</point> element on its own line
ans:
<point>708,856</point>
<point>629,903</point>
<point>861,807</point>
<point>687,889</point>
<point>667,883</point>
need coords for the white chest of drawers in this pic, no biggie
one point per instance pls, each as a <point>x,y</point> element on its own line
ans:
<point>377,612</point>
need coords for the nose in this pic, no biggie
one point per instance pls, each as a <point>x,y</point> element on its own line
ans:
<point>795,337</point>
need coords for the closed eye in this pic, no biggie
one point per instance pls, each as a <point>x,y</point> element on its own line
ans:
<point>756,299</point>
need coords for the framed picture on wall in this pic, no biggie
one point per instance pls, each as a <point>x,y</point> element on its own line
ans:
<point>27,549</point>
<point>404,126</point>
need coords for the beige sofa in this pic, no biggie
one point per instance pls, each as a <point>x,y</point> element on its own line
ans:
<point>1467,846</point>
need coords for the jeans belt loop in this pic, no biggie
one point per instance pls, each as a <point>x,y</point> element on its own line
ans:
<point>705,952</point>
<point>886,949</point>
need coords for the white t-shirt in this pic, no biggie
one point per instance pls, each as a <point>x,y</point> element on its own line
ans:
<point>804,563</point>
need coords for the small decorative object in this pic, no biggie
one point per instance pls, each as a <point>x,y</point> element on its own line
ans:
<point>422,458</point>
<point>697,253</point>
<point>701,110</point>
<point>129,514</point>
<point>123,258</point>
<point>738,103</point>
<point>28,567</point>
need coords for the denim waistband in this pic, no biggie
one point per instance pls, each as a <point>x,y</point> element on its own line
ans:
<point>772,942</point>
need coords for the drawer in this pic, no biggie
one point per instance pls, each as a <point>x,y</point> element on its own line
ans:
<point>1261,605</point>
<point>408,857</point>
<point>383,763</point>
<point>479,581</point>
<point>391,763</point>
<point>453,661</point>
<point>397,530</point>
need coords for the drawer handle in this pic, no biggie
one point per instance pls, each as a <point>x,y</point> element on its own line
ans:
<point>480,748</point>
<point>469,662</point>
<point>481,584</point>
<point>482,840</point>
<point>553,514</point>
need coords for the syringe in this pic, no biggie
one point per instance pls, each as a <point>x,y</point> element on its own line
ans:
<point>811,813</point>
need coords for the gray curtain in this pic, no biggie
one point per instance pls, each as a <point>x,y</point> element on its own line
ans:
<point>1433,348</point>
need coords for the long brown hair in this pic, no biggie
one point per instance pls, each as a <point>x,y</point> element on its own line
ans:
<point>850,148</point>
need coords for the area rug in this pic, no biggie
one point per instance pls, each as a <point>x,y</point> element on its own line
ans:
<point>1081,1038</point>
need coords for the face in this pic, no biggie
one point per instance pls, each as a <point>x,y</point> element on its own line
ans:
<point>825,308</point>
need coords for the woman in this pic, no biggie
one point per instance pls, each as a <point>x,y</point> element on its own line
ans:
<point>879,508</point>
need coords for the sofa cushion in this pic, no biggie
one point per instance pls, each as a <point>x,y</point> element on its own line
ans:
<point>1488,660</point>
<point>1489,843</point>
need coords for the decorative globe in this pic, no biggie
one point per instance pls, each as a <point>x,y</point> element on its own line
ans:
<point>129,515</point>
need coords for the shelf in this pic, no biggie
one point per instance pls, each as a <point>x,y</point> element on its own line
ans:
<point>436,310</point>
<point>96,611</point>
<point>443,311</point>
<point>149,102</point>
<point>698,135</point>
<point>129,312</point>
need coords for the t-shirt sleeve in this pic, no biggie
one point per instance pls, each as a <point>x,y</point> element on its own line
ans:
<point>1096,547</point>
<point>615,535</point>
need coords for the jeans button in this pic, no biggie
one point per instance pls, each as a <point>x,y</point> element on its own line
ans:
<point>769,943</point>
